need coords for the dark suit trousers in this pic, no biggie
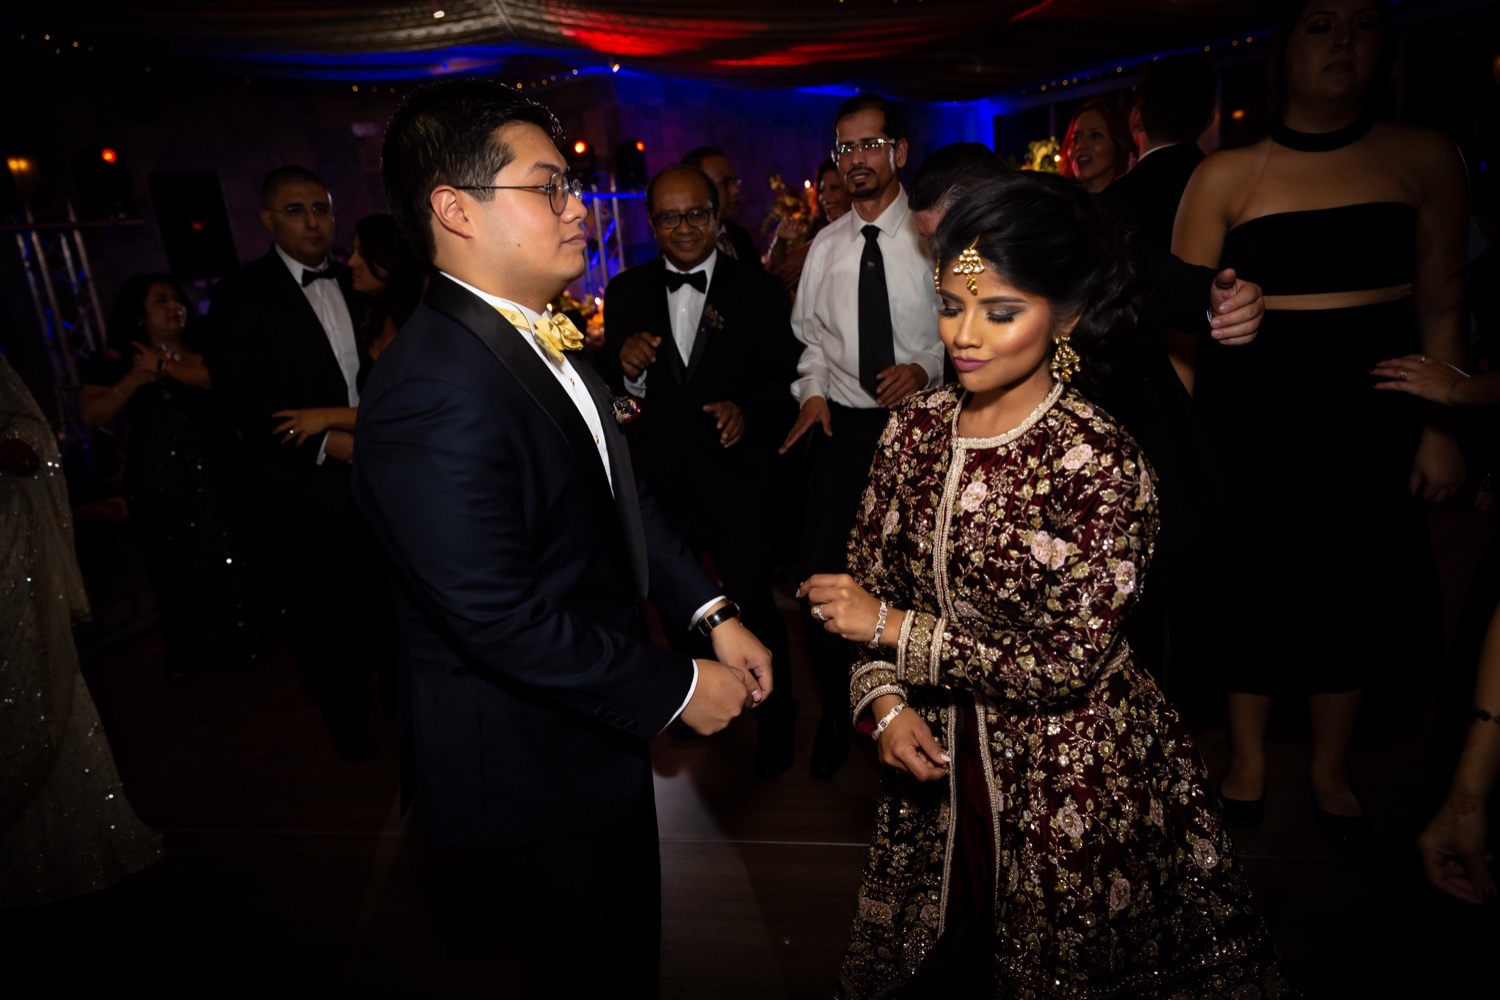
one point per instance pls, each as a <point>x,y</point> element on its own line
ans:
<point>579,917</point>
<point>330,581</point>
<point>839,469</point>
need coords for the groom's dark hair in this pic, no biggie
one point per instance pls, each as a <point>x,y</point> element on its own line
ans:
<point>445,133</point>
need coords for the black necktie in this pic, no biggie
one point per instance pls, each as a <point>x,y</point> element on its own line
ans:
<point>698,279</point>
<point>308,277</point>
<point>877,345</point>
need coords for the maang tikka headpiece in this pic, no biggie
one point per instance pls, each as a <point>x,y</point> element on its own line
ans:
<point>969,264</point>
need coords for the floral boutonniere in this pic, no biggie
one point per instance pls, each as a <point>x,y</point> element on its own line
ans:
<point>625,409</point>
<point>712,319</point>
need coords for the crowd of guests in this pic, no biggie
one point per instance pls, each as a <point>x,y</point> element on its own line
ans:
<point>1062,447</point>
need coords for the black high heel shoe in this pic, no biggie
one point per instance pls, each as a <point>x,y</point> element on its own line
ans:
<point>1350,833</point>
<point>1246,814</point>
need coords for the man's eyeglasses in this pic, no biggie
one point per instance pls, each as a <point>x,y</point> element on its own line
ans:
<point>871,145</point>
<point>559,188</point>
<point>696,217</point>
<point>297,210</point>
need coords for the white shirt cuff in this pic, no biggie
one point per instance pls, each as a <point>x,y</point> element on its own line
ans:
<point>636,386</point>
<point>697,615</point>
<point>322,447</point>
<point>692,688</point>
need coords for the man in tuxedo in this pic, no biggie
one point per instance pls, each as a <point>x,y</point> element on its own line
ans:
<point>705,342</point>
<point>493,473</point>
<point>281,337</point>
<point>733,239</point>
<point>1174,104</point>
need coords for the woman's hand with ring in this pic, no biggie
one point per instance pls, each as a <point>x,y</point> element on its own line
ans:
<point>844,607</point>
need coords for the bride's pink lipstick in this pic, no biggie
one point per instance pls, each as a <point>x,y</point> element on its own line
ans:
<point>968,364</point>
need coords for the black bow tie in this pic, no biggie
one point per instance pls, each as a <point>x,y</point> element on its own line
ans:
<point>308,277</point>
<point>698,279</point>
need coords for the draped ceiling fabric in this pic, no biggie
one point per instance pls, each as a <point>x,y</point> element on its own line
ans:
<point>954,50</point>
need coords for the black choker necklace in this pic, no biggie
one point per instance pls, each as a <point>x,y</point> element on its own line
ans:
<point>1321,142</point>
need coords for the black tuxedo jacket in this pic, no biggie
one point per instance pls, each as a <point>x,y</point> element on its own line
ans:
<point>1152,190</point>
<point>267,351</point>
<point>744,352</point>
<point>529,690</point>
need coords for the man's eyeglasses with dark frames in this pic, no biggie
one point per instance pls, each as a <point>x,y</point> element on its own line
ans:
<point>559,188</point>
<point>696,217</point>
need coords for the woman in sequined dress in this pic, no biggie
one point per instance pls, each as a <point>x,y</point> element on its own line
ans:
<point>1045,827</point>
<point>179,475</point>
<point>65,827</point>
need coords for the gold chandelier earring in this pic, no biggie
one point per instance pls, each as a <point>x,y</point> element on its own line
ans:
<point>1064,359</point>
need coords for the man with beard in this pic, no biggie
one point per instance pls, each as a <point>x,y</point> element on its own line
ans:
<point>868,319</point>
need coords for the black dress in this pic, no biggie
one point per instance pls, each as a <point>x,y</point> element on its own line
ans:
<point>180,484</point>
<point>1324,577</point>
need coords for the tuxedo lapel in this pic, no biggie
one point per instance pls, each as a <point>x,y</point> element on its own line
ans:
<point>723,276</point>
<point>485,322</point>
<point>661,320</point>
<point>311,339</point>
<point>627,504</point>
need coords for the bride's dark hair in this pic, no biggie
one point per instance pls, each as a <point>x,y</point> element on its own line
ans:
<point>1050,238</point>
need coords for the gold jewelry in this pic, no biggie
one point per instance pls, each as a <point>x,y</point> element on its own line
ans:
<point>969,264</point>
<point>937,276</point>
<point>1064,359</point>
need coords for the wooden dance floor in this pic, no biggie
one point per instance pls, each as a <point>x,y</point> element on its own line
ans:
<point>289,872</point>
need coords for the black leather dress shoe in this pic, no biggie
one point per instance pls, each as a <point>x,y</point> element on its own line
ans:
<point>1246,814</point>
<point>830,747</point>
<point>354,744</point>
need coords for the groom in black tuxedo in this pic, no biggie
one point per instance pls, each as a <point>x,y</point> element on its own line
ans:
<point>491,469</point>
<point>705,342</point>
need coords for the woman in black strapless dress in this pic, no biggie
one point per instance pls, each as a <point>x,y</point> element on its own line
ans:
<point>1356,232</point>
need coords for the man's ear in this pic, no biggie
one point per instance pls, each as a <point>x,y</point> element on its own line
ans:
<point>900,153</point>
<point>265,220</point>
<point>450,210</point>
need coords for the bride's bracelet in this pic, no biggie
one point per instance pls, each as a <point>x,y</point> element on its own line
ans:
<point>885,609</point>
<point>887,719</point>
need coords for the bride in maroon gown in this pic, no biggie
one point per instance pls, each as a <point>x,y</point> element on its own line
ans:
<point>1045,827</point>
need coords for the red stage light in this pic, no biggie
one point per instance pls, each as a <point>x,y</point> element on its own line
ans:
<point>196,226</point>
<point>640,147</point>
<point>629,35</point>
<point>108,155</point>
<point>580,147</point>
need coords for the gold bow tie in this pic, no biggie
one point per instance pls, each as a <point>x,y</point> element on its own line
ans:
<point>555,334</point>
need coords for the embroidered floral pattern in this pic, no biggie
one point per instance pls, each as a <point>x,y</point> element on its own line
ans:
<point>973,496</point>
<point>1115,875</point>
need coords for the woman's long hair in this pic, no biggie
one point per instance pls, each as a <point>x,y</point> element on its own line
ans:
<point>392,261</point>
<point>1050,238</point>
<point>125,318</point>
<point>1115,122</point>
<point>1268,103</point>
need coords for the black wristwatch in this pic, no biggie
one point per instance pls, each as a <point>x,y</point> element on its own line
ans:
<point>708,623</point>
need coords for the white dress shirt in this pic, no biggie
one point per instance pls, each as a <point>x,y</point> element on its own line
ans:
<point>327,301</point>
<point>685,308</point>
<point>826,314</point>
